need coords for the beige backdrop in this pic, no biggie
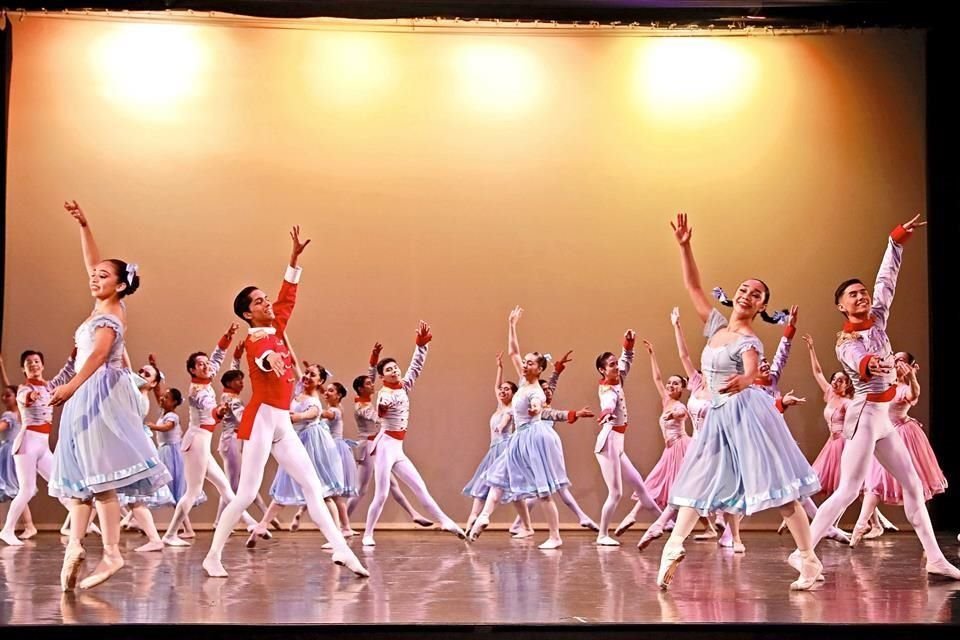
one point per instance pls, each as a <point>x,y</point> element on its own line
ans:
<point>449,176</point>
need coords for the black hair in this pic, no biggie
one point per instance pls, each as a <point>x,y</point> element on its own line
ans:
<point>30,352</point>
<point>176,395</point>
<point>383,363</point>
<point>122,276</point>
<point>778,317</point>
<point>192,360</point>
<point>358,383</point>
<point>843,287</point>
<point>342,390</point>
<point>228,377</point>
<point>602,359</point>
<point>241,304</point>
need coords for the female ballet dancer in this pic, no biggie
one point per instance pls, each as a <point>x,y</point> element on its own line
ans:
<point>320,446</point>
<point>145,381</point>
<point>698,404</point>
<point>9,428</point>
<point>532,465</point>
<point>368,425</point>
<point>744,459</point>
<point>837,394</point>
<point>266,424</point>
<point>882,486</point>
<point>198,460</point>
<point>864,350</point>
<point>332,420</point>
<point>31,448</point>
<point>673,421</point>
<point>229,447</point>
<point>169,437</point>
<point>613,460</point>
<point>101,449</point>
<point>393,408</point>
<point>501,428</point>
<point>551,417</point>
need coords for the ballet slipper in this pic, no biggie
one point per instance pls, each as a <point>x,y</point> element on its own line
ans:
<point>481,523</point>
<point>607,541</point>
<point>810,571</point>
<point>11,539</point>
<point>150,546</point>
<point>346,558</point>
<point>624,526</point>
<point>72,561</point>
<point>795,560</point>
<point>550,543</point>
<point>649,536</point>
<point>669,561</point>
<point>109,564</point>
<point>213,567</point>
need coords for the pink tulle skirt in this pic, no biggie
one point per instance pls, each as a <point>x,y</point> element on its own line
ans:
<point>883,484</point>
<point>827,464</point>
<point>660,480</point>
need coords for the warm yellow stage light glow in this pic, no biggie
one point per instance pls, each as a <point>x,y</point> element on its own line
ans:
<point>498,78</point>
<point>149,68</point>
<point>348,69</point>
<point>701,78</point>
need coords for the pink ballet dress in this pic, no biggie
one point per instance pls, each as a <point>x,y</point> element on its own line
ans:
<point>881,482</point>
<point>827,464</point>
<point>676,441</point>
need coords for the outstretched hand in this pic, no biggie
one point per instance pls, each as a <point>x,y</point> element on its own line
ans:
<point>681,230</point>
<point>74,210</point>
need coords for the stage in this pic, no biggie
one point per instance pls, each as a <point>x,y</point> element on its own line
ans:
<point>427,577</point>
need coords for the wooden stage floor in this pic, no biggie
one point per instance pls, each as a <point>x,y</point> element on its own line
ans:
<point>429,577</point>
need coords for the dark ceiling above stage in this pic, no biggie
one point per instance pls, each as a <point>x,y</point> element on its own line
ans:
<point>851,13</point>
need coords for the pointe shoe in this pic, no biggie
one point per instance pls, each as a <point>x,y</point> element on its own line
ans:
<point>92,528</point>
<point>189,535</point>
<point>452,527</point>
<point>623,527</point>
<point>725,540</point>
<point>423,522</point>
<point>350,561</point>
<point>295,523</point>
<point>649,536</point>
<point>275,525</point>
<point>110,563</point>
<point>874,533</point>
<point>327,546</point>
<point>810,572</point>
<point>669,562</point>
<point>590,524</point>
<point>782,528</point>
<point>368,541</point>
<point>858,532</point>
<point>174,541</point>
<point>738,547</point>
<point>550,543</point>
<point>11,539</point>
<point>28,532</point>
<point>513,530</point>
<point>838,535</point>
<point>214,567</point>
<point>943,568</point>
<point>348,533</point>
<point>709,534</point>
<point>607,541</point>
<point>795,560</point>
<point>481,523</point>
<point>72,561</point>
<point>523,533</point>
<point>150,546</point>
